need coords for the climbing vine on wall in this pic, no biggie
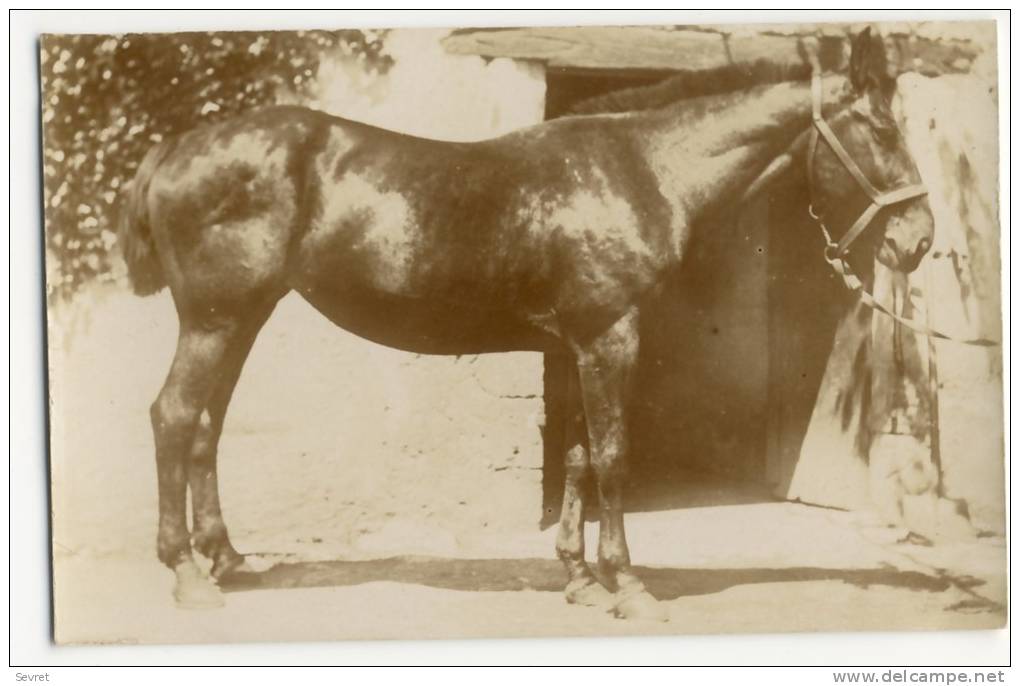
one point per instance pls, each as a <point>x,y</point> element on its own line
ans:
<point>107,99</point>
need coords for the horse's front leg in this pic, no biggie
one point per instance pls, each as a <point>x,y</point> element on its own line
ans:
<point>606,368</point>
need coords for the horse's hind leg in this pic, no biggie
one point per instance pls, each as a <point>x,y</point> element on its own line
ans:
<point>209,534</point>
<point>202,349</point>
<point>606,370</point>
<point>582,587</point>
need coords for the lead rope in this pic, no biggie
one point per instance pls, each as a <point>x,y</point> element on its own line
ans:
<point>853,283</point>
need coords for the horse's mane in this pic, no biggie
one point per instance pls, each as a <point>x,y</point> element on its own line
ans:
<point>687,84</point>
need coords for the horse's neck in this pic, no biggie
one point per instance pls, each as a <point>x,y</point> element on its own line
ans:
<point>708,152</point>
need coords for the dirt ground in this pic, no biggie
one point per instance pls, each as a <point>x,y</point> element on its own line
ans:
<point>424,525</point>
<point>765,568</point>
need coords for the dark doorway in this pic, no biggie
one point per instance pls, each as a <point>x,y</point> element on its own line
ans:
<point>732,355</point>
<point>565,88</point>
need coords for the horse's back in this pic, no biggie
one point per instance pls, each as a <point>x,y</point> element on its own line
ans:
<point>512,229</point>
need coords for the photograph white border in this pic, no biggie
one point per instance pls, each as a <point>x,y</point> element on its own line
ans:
<point>29,564</point>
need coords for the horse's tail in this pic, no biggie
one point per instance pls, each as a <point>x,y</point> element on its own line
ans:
<point>145,272</point>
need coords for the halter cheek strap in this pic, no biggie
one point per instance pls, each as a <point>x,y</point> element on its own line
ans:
<point>879,199</point>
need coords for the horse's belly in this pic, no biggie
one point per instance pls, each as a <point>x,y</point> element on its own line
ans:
<point>426,326</point>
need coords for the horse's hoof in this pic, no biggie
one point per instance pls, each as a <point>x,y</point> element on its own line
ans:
<point>590,593</point>
<point>641,605</point>
<point>194,590</point>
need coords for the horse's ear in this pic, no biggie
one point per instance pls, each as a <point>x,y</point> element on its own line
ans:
<point>869,67</point>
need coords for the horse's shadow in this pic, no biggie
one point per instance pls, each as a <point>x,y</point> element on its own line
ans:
<point>536,574</point>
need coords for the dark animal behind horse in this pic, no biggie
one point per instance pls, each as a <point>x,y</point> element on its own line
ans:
<point>550,238</point>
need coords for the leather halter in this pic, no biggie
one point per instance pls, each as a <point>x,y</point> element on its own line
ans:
<point>878,199</point>
<point>835,252</point>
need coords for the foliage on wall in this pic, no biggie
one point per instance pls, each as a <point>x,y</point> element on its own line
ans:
<point>107,99</point>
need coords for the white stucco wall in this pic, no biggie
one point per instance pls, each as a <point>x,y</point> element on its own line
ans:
<point>428,92</point>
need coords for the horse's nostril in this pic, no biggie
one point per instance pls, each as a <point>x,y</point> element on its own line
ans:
<point>923,246</point>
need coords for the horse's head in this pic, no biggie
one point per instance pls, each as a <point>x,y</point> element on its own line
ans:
<point>891,218</point>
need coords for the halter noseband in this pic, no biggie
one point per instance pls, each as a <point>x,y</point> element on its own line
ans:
<point>835,251</point>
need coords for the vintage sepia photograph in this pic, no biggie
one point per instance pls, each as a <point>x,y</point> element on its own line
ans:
<point>511,332</point>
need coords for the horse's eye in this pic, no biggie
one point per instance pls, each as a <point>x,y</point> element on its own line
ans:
<point>886,134</point>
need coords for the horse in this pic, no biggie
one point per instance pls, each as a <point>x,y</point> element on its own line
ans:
<point>550,239</point>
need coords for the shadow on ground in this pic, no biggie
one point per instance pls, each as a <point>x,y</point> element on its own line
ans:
<point>534,574</point>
